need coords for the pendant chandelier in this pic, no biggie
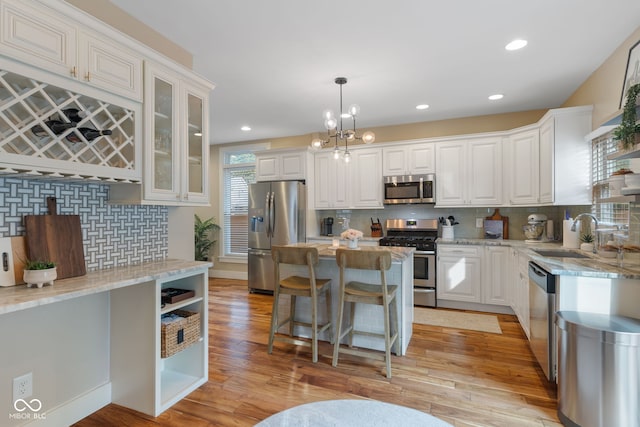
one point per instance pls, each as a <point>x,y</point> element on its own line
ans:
<point>340,134</point>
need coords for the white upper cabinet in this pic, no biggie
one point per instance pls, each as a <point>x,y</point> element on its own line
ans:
<point>451,173</point>
<point>523,167</point>
<point>176,135</point>
<point>469,172</point>
<point>565,157</point>
<point>484,179</point>
<point>353,185</point>
<point>550,163</point>
<point>330,182</point>
<point>109,66</point>
<point>366,178</point>
<point>275,165</point>
<point>409,159</point>
<point>38,36</point>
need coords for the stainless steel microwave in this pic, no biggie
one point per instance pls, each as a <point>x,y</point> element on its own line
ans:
<point>409,189</point>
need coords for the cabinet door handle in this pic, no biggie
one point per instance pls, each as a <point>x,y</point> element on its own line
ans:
<point>87,77</point>
<point>74,71</point>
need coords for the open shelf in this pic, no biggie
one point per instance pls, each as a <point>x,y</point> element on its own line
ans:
<point>180,304</point>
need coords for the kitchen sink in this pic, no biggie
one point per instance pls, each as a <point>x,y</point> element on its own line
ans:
<point>558,253</point>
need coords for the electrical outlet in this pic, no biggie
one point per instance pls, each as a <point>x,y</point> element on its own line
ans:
<point>479,223</point>
<point>23,386</point>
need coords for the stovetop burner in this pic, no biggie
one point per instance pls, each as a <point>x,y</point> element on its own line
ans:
<point>418,233</point>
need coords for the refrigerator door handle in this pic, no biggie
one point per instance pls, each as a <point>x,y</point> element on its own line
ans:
<point>272,213</point>
<point>267,211</point>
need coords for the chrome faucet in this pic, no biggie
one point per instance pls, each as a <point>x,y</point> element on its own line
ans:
<point>595,220</point>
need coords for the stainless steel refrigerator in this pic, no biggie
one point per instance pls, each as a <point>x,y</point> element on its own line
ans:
<point>276,217</point>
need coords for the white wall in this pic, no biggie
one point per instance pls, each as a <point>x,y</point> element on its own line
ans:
<point>65,345</point>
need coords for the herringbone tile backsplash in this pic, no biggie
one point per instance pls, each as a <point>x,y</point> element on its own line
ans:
<point>113,235</point>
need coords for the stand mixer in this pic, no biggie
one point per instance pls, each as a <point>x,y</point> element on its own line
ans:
<point>535,230</point>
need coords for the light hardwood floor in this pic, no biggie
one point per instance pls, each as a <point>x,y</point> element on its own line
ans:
<point>463,377</point>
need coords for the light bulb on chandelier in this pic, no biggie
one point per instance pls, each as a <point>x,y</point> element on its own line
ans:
<point>349,135</point>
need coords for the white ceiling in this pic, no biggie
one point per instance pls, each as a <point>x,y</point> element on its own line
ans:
<point>274,62</point>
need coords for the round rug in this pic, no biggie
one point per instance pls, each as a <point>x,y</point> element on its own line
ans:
<point>351,413</point>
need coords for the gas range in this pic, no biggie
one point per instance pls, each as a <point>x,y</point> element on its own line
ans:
<point>418,233</point>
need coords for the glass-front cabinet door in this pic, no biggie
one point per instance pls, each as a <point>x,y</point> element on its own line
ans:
<point>177,157</point>
<point>197,153</point>
<point>164,152</point>
<point>161,177</point>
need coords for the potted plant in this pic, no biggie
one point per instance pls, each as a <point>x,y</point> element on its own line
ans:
<point>587,242</point>
<point>203,236</point>
<point>39,273</point>
<point>628,133</point>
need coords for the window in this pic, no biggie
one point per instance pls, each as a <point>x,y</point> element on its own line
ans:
<point>238,165</point>
<point>610,210</point>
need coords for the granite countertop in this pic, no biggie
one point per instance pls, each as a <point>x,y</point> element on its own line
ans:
<point>398,254</point>
<point>330,238</point>
<point>15,298</point>
<point>591,266</point>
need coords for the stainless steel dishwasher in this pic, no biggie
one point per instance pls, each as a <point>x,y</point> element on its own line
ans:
<point>542,310</point>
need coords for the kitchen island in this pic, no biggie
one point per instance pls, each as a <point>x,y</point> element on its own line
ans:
<point>369,318</point>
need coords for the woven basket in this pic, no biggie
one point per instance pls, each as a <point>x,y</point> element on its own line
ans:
<point>176,336</point>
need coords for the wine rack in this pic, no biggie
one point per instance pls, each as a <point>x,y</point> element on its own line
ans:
<point>27,104</point>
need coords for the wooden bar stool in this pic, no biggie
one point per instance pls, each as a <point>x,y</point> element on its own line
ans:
<point>367,293</point>
<point>296,286</point>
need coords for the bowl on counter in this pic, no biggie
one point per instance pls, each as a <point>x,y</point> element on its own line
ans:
<point>533,231</point>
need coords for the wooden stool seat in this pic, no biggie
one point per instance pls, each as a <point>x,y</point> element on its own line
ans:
<point>367,293</point>
<point>296,286</point>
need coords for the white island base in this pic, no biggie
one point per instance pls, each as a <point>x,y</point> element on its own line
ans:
<point>369,317</point>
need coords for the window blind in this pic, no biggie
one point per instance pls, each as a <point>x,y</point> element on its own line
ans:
<point>607,211</point>
<point>236,202</point>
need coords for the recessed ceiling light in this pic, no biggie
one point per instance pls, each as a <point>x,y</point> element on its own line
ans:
<point>422,106</point>
<point>516,44</point>
<point>246,128</point>
<point>496,96</point>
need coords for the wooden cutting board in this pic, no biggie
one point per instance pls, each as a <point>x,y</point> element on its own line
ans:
<point>505,222</point>
<point>56,238</point>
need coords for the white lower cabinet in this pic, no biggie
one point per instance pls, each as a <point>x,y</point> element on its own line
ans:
<point>475,274</point>
<point>459,273</point>
<point>495,281</point>
<point>519,285</point>
<point>141,379</point>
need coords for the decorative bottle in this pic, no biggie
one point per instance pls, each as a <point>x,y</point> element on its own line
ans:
<point>88,133</point>
<point>56,126</point>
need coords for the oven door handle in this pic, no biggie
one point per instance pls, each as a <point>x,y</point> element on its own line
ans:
<point>424,253</point>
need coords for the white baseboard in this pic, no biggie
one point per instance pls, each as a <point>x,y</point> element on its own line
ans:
<point>76,409</point>
<point>227,274</point>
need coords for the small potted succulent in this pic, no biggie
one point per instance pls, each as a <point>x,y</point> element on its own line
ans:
<point>39,273</point>
<point>587,242</point>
